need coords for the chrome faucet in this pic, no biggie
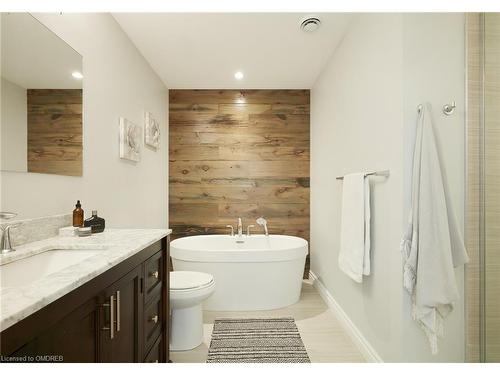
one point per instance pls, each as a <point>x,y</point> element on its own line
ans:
<point>240,227</point>
<point>5,242</point>
<point>263,223</point>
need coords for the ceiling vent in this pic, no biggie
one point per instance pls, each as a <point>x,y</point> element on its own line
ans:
<point>310,24</point>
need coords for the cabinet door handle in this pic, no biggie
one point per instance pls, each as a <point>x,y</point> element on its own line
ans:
<point>154,274</point>
<point>111,327</point>
<point>154,319</point>
<point>117,311</point>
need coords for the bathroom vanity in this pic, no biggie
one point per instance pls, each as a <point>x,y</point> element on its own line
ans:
<point>110,306</point>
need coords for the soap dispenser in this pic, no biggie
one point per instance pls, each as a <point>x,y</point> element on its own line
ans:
<point>95,223</point>
<point>78,215</point>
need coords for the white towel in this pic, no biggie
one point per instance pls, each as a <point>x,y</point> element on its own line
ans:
<point>354,255</point>
<point>432,245</point>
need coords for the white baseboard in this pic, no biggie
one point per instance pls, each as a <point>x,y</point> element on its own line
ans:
<point>360,341</point>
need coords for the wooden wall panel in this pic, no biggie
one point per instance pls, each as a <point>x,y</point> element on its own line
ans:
<point>55,131</point>
<point>239,153</point>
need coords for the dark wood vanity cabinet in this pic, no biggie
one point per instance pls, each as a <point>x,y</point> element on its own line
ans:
<point>119,331</point>
<point>124,317</point>
<point>72,339</point>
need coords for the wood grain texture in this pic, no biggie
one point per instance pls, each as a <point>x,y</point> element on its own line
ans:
<point>239,153</point>
<point>55,141</point>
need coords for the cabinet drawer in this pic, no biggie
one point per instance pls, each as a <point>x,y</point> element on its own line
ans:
<point>154,355</point>
<point>152,321</point>
<point>153,275</point>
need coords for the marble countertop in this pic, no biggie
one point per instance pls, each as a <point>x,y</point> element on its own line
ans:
<point>116,245</point>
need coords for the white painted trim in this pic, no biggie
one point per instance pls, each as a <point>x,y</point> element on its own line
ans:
<point>368,352</point>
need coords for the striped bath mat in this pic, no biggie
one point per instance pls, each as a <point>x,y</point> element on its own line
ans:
<point>256,340</point>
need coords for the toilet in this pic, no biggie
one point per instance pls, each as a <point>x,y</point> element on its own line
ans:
<point>188,290</point>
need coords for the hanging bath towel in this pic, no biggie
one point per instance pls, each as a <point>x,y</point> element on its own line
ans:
<point>433,244</point>
<point>354,255</point>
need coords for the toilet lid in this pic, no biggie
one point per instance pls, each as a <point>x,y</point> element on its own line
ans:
<point>189,280</point>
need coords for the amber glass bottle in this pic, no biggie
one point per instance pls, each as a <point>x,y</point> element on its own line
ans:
<point>78,215</point>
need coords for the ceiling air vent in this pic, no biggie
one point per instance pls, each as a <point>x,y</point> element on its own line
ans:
<point>310,24</point>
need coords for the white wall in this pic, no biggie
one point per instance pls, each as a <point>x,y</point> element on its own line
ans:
<point>117,82</point>
<point>13,127</point>
<point>356,117</point>
<point>434,72</point>
<point>363,109</point>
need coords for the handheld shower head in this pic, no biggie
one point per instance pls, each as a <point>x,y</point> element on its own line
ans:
<point>263,223</point>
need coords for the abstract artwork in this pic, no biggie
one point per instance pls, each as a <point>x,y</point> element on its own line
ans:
<point>151,131</point>
<point>130,140</point>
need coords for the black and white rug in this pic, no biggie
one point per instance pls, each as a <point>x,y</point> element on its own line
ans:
<point>256,340</point>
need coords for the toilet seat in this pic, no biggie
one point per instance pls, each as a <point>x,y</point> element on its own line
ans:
<point>185,281</point>
<point>188,291</point>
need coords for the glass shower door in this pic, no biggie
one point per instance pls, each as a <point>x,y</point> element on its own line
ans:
<point>483,187</point>
<point>491,188</point>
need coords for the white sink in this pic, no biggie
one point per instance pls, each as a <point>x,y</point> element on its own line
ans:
<point>25,271</point>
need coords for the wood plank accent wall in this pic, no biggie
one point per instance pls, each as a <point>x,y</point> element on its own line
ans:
<point>55,131</point>
<point>239,153</point>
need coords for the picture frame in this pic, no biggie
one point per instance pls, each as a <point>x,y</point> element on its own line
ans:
<point>130,140</point>
<point>152,132</point>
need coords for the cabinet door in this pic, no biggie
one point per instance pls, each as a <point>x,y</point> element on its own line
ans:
<point>120,317</point>
<point>73,339</point>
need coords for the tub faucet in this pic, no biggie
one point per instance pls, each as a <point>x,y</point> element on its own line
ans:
<point>263,223</point>
<point>240,227</point>
<point>5,241</point>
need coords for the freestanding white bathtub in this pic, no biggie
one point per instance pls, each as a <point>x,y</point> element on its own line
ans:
<point>261,273</point>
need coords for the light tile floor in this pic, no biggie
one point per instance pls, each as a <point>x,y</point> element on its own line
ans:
<point>323,336</point>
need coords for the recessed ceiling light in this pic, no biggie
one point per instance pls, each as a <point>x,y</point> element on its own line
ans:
<point>77,75</point>
<point>238,75</point>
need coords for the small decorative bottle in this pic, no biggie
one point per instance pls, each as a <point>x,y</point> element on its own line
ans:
<point>95,223</point>
<point>78,215</point>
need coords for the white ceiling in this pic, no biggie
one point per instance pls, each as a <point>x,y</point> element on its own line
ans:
<point>204,50</point>
<point>33,57</point>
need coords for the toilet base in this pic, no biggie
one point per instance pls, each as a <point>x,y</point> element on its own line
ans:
<point>187,328</point>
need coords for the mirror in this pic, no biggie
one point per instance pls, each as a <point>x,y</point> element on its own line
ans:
<point>41,99</point>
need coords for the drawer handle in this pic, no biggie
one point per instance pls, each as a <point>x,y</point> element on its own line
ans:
<point>154,274</point>
<point>111,327</point>
<point>118,311</point>
<point>154,319</point>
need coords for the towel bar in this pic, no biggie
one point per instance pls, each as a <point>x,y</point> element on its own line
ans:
<point>385,173</point>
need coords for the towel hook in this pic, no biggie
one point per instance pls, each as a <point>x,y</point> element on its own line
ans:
<point>448,109</point>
